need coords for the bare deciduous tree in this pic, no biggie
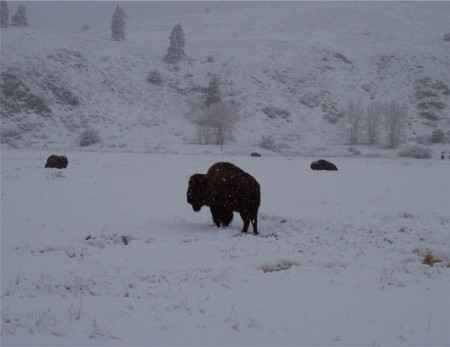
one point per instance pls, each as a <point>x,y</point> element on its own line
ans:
<point>354,118</point>
<point>213,94</point>
<point>216,122</point>
<point>394,121</point>
<point>373,119</point>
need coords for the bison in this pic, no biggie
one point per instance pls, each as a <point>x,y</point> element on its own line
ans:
<point>225,189</point>
<point>57,161</point>
<point>323,165</point>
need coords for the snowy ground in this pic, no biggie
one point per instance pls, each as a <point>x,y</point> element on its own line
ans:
<point>108,252</point>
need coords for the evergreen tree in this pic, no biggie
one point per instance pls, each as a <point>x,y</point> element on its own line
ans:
<point>213,94</point>
<point>20,17</point>
<point>175,52</point>
<point>4,14</point>
<point>118,24</point>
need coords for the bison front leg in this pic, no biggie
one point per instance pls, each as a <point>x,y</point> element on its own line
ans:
<point>215,212</point>
<point>226,217</point>
<point>221,216</point>
<point>247,218</point>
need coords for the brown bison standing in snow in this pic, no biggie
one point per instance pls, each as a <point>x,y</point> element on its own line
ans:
<point>226,189</point>
<point>323,165</point>
<point>57,161</point>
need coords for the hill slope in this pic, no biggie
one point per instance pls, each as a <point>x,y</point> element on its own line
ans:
<point>291,67</point>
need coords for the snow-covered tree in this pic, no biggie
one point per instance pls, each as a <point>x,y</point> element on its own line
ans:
<point>394,121</point>
<point>213,94</point>
<point>175,52</point>
<point>4,14</point>
<point>20,17</point>
<point>118,24</point>
<point>216,122</point>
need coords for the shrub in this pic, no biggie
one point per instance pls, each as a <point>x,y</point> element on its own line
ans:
<point>342,57</point>
<point>88,137</point>
<point>276,112</point>
<point>268,142</point>
<point>437,136</point>
<point>354,151</point>
<point>415,151</point>
<point>17,97</point>
<point>155,77</point>
<point>428,115</point>
<point>430,259</point>
<point>282,265</point>
<point>63,94</point>
<point>7,133</point>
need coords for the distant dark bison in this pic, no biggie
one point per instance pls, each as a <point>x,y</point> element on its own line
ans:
<point>57,161</point>
<point>226,189</point>
<point>323,165</point>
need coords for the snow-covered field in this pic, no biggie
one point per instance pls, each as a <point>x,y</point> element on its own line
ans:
<point>108,252</point>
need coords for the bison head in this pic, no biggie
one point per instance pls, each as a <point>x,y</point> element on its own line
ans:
<point>63,162</point>
<point>196,191</point>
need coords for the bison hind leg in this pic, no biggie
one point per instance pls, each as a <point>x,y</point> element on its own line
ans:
<point>215,216</point>
<point>255,225</point>
<point>248,217</point>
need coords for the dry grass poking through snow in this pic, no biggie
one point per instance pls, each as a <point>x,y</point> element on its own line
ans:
<point>430,259</point>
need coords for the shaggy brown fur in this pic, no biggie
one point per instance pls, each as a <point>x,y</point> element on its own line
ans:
<point>323,165</point>
<point>56,161</point>
<point>226,189</point>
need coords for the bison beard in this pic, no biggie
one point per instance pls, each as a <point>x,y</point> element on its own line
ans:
<point>226,188</point>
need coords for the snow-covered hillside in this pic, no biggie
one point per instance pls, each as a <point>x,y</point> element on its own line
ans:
<point>302,60</point>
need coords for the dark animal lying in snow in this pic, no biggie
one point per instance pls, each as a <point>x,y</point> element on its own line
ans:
<point>226,188</point>
<point>323,165</point>
<point>57,161</point>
